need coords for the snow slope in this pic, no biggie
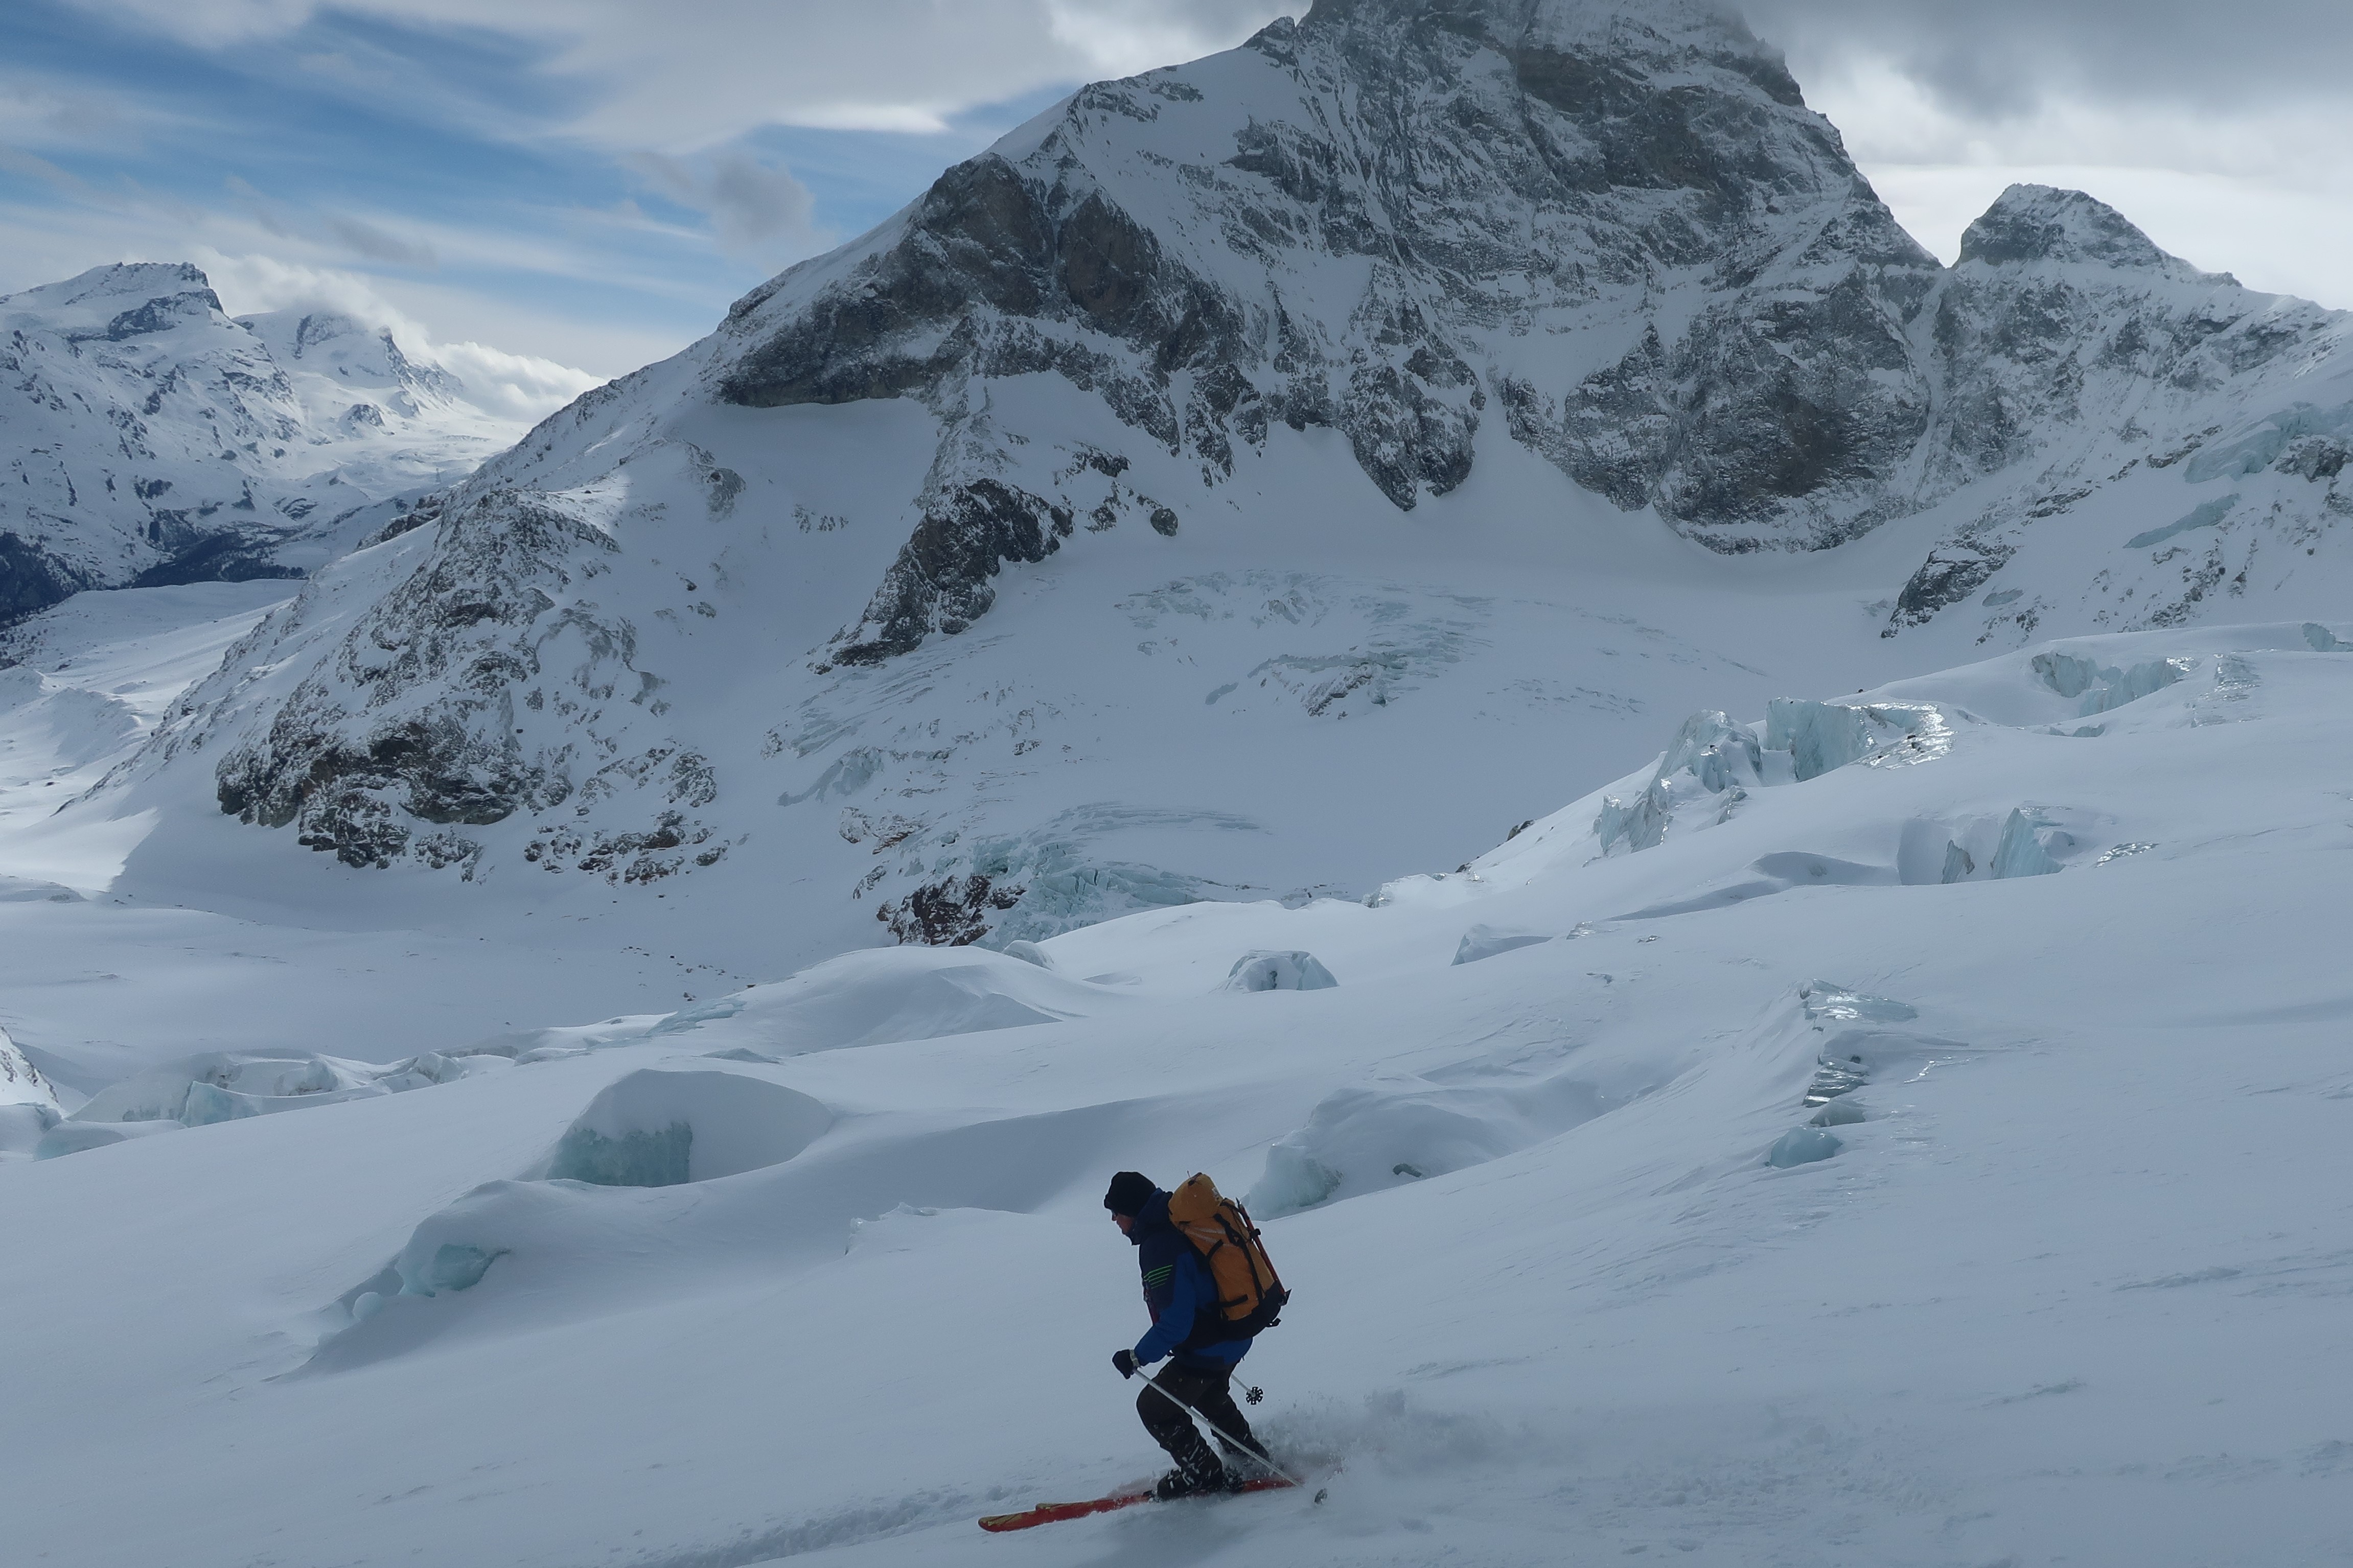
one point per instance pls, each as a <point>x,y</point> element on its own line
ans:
<point>102,978</point>
<point>1913,1141</point>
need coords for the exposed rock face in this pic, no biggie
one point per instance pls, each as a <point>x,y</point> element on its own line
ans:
<point>1359,222</point>
<point>2035,223</point>
<point>1337,270</point>
<point>954,913</point>
<point>150,440</point>
<point>940,582</point>
<point>415,718</point>
<point>32,578</point>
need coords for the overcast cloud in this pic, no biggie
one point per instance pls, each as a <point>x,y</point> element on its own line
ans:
<point>683,75</point>
<point>2220,130</point>
<point>1992,58</point>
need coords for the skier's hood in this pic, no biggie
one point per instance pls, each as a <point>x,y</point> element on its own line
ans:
<point>1151,1219</point>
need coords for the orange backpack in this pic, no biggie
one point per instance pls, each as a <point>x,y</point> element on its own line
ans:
<point>1250,1296</point>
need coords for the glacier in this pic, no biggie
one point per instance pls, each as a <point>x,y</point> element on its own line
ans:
<point>1654,1164</point>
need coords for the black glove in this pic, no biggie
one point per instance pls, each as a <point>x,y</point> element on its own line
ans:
<point>1125,1362</point>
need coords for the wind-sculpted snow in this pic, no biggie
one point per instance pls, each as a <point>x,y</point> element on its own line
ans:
<point>857,1000</point>
<point>156,441</point>
<point>228,1086</point>
<point>663,1129</point>
<point>1367,1140</point>
<point>871,998</point>
<point>1485,942</point>
<point>1852,1213</point>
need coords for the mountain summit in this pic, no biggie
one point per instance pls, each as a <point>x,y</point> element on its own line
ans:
<point>1403,223</point>
<point>153,440</point>
<point>2036,224</point>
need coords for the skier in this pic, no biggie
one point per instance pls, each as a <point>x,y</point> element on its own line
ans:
<point>1182,1296</point>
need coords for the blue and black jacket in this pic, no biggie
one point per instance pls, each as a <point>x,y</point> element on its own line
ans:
<point>1178,1289</point>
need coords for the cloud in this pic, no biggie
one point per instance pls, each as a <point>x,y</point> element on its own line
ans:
<point>727,67</point>
<point>520,387</point>
<point>375,243</point>
<point>31,167</point>
<point>695,74</point>
<point>2220,128</point>
<point>523,387</point>
<point>754,208</point>
<point>36,111</point>
<point>692,74</point>
<point>253,281</point>
<point>1992,58</point>
<point>209,23</point>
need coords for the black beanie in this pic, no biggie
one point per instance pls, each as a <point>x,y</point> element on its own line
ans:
<point>1130,1191</point>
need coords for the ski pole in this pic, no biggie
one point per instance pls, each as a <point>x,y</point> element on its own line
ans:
<point>1261,1460</point>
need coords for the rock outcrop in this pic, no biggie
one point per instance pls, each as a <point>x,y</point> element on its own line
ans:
<point>1368,220</point>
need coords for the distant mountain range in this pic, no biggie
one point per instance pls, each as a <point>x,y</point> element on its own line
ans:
<point>151,439</point>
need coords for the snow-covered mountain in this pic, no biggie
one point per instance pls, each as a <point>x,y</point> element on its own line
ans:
<point>152,439</point>
<point>1891,1115</point>
<point>2111,388</point>
<point>1431,393</point>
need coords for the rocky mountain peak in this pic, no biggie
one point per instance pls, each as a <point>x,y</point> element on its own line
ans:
<point>124,301</point>
<point>1347,223</point>
<point>130,282</point>
<point>147,439</point>
<point>353,355</point>
<point>1585,23</point>
<point>2028,225</point>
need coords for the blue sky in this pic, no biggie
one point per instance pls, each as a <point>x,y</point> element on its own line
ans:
<point>436,167</point>
<point>590,182</point>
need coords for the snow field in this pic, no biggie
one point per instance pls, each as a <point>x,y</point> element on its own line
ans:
<point>2069,1285</point>
<point>96,673</point>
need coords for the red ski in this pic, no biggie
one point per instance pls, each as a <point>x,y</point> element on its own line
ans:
<point>1048,1512</point>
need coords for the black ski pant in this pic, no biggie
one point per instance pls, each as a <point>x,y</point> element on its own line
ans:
<point>1207,1387</point>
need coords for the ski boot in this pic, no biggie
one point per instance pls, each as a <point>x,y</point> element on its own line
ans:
<point>1192,1478</point>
